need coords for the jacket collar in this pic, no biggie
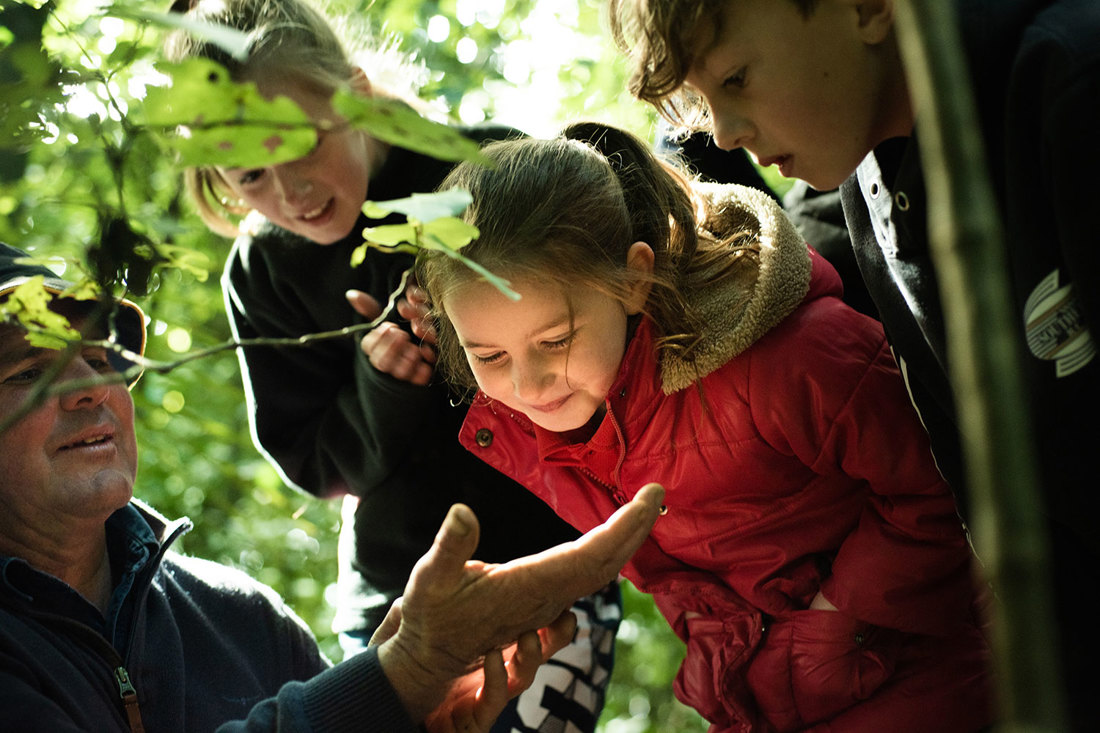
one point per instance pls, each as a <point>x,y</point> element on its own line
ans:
<point>135,533</point>
<point>739,310</point>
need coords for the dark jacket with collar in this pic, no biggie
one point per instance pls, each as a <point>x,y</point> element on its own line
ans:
<point>334,424</point>
<point>1035,72</point>
<point>203,646</point>
<point>1035,67</point>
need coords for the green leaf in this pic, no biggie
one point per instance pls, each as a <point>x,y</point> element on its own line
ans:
<point>451,232</point>
<point>429,241</point>
<point>186,259</point>
<point>397,123</point>
<point>225,123</point>
<point>422,206</point>
<point>390,235</point>
<point>29,303</point>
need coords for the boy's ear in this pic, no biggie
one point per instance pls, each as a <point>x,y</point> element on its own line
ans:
<point>876,19</point>
<point>639,258</point>
<point>360,84</point>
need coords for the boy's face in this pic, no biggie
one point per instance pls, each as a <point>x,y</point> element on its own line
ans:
<point>812,95</point>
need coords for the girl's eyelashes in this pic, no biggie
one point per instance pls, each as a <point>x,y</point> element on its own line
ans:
<point>551,345</point>
<point>489,359</point>
<point>736,79</point>
<point>561,343</point>
<point>249,177</point>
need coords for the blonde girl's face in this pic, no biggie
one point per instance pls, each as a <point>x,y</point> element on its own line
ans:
<point>536,357</point>
<point>318,196</point>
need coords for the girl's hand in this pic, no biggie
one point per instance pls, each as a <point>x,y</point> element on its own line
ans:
<point>478,698</point>
<point>389,348</point>
<point>414,307</point>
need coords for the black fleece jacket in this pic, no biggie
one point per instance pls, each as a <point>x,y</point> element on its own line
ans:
<point>333,424</point>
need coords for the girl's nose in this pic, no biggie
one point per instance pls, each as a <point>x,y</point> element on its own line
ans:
<point>292,185</point>
<point>530,381</point>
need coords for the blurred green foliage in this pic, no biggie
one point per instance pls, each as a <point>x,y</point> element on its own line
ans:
<point>81,178</point>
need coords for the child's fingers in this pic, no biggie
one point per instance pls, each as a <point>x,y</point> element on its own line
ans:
<point>494,693</point>
<point>557,635</point>
<point>391,350</point>
<point>364,304</point>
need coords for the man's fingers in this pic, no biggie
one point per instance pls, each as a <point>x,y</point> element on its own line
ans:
<point>605,549</point>
<point>364,304</point>
<point>390,624</point>
<point>441,568</point>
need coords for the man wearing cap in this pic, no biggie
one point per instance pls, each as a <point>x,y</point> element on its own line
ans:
<point>103,627</point>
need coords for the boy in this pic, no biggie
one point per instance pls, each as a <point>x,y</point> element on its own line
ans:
<point>818,88</point>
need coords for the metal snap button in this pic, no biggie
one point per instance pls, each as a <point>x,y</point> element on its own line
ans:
<point>484,437</point>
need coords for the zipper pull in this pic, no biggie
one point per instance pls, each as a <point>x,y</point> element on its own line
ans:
<point>130,699</point>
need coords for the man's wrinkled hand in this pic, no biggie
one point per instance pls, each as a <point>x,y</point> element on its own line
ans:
<point>456,610</point>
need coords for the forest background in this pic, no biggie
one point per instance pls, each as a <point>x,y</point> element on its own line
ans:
<point>82,178</point>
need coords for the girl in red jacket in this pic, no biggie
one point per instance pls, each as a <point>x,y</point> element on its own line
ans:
<point>809,553</point>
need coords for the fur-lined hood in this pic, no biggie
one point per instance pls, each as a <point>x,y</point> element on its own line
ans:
<point>735,319</point>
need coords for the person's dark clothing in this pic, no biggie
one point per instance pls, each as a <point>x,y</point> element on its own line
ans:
<point>203,646</point>
<point>334,424</point>
<point>1035,73</point>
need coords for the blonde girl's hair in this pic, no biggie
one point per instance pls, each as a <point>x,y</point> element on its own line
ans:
<point>291,42</point>
<point>565,211</point>
<point>660,39</point>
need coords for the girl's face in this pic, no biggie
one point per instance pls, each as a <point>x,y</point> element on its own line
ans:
<point>320,195</point>
<point>532,356</point>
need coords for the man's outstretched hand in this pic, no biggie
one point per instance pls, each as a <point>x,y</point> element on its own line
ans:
<point>455,611</point>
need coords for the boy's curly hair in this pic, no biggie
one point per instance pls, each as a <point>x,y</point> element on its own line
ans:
<point>659,38</point>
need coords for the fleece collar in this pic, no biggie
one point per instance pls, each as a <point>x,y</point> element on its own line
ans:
<point>738,310</point>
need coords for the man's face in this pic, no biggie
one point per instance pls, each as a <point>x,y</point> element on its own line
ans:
<point>812,95</point>
<point>74,457</point>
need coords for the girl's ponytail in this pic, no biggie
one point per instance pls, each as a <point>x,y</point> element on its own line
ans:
<point>663,212</point>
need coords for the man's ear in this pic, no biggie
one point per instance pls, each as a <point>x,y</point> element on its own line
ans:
<point>876,19</point>
<point>360,84</point>
<point>639,258</point>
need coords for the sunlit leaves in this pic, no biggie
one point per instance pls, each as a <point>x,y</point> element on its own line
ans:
<point>422,206</point>
<point>218,121</point>
<point>29,304</point>
<point>399,124</point>
<point>432,224</point>
<point>29,79</point>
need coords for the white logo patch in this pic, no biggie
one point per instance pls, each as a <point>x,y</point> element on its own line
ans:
<point>1055,326</point>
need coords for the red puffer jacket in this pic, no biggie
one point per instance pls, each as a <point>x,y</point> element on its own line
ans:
<point>796,464</point>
